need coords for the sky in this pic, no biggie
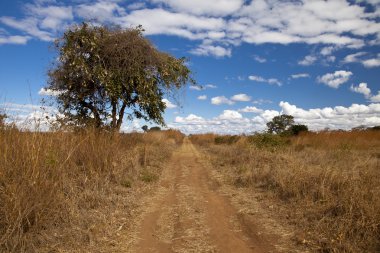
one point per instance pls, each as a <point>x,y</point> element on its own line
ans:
<point>253,59</point>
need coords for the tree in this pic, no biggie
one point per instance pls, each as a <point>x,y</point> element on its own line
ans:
<point>154,129</point>
<point>280,124</point>
<point>145,128</point>
<point>104,73</point>
<point>297,129</point>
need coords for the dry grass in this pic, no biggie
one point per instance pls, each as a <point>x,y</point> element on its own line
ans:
<point>328,183</point>
<point>65,192</point>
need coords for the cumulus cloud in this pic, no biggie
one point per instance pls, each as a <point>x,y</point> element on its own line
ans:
<point>29,116</point>
<point>362,89</point>
<point>221,100</point>
<point>201,7</point>
<point>353,57</point>
<point>251,109</point>
<point>211,50</point>
<point>359,57</point>
<point>259,59</point>
<point>371,63</point>
<point>202,97</point>
<point>16,39</point>
<point>218,25</point>
<point>308,60</point>
<point>375,98</point>
<point>169,104</point>
<point>264,80</point>
<point>232,122</point>
<point>241,98</point>
<point>334,80</point>
<point>300,75</point>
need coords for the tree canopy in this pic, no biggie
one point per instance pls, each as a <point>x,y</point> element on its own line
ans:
<point>280,124</point>
<point>104,73</point>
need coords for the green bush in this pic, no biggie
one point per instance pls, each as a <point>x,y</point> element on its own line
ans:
<point>269,141</point>
<point>226,139</point>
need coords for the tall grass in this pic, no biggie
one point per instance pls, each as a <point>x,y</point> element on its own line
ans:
<point>71,191</point>
<point>329,182</point>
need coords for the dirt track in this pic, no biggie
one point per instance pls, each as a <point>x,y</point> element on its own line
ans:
<point>187,214</point>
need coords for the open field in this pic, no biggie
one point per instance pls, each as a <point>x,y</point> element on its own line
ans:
<point>327,185</point>
<point>161,192</point>
<point>65,192</point>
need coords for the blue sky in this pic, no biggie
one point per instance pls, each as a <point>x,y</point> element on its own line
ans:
<point>316,60</point>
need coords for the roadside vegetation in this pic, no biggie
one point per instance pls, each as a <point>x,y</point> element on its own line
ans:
<point>75,192</point>
<point>326,184</point>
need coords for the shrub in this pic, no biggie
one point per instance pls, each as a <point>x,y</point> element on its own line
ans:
<point>269,141</point>
<point>227,139</point>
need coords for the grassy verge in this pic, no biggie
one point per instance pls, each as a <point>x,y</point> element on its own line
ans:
<point>74,192</point>
<point>328,183</point>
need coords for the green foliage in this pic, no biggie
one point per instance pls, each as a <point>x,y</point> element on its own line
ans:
<point>297,129</point>
<point>155,128</point>
<point>145,128</point>
<point>228,139</point>
<point>268,141</point>
<point>280,124</point>
<point>105,73</point>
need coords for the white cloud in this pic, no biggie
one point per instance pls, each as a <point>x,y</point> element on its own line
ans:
<point>202,97</point>
<point>375,98</point>
<point>20,40</point>
<point>232,122</point>
<point>259,59</point>
<point>230,115</point>
<point>221,100</point>
<point>101,11</point>
<point>28,26</point>
<point>48,92</point>
<point>51,17</point>
<point>300,75</point>
<point>225,23</point>
<point>362,89</point>
<point>371,63</point>
<point>168,104</point>
<point>263,80</point>
<point>334,80</point>
<point>308,60</point>
<point>201,7</point>
<point>353,57</point>
<point>196,87</point>
<point>251,109</point>
<point>210,86</point>
<point>241,98</point>
<point>325,51</point>
<point>262,101</point>
<point>358,57</point>
<point>210,50</point>
<point>202,87</point>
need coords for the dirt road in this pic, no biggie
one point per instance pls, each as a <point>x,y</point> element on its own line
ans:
<point>187,214</point>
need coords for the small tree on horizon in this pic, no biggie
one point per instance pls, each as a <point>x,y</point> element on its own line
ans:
<point>280,124</point>
<point>104,73</point>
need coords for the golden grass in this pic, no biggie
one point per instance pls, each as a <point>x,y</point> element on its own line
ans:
<point>74,192</point>
<point>328,182</point>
